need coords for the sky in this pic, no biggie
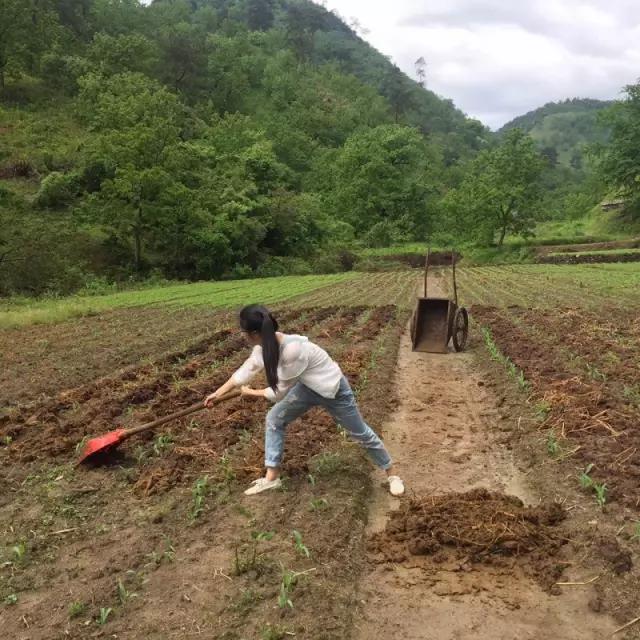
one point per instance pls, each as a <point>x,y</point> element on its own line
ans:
<point>497,59</point>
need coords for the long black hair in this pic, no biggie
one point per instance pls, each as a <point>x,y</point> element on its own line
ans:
<point>255,318</point>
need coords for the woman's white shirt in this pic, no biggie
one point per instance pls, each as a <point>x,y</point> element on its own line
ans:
<point>300,361</point>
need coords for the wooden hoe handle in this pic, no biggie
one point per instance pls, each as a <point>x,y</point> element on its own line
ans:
<point>198,406</point>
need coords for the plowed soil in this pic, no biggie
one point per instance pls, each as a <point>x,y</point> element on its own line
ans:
<point>160,532</point>
<point>476,526</point>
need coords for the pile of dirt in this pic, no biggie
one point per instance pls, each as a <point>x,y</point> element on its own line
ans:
<point>478,526</point>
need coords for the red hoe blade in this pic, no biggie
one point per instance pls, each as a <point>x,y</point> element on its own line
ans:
<point>110,440</point>
<point>102,443</point>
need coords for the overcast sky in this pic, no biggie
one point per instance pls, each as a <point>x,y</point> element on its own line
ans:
<point>501,58</point>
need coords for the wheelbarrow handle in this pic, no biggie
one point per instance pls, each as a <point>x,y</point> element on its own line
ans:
<point>198,406</point>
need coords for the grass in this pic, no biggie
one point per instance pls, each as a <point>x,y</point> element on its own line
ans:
<point>232,293</point>
<point>601,252</point>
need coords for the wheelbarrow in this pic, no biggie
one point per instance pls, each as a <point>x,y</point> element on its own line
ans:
<point>438,321</point>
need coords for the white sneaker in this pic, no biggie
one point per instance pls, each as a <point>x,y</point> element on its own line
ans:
<point>262,484</point>
<point>396,486</point>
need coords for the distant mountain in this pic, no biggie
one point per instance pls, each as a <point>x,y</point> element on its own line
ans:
<point>563,129</point>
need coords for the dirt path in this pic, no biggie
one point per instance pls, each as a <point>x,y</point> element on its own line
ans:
<point>444,435</point>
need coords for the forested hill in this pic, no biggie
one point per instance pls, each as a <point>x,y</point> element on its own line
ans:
<point>563,129</point>
<point>207,138</point>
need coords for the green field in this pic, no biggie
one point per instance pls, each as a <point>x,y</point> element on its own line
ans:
<point>600,252</point>
<point>23,312</point>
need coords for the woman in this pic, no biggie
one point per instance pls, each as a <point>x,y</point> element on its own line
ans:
<point>300,375</point>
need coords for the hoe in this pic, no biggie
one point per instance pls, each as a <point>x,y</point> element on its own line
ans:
<point>110,440</point>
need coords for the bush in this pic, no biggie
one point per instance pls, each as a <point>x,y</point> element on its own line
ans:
<point>283,266</point>
<point>58,189</point>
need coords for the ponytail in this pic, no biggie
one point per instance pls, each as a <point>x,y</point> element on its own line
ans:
<point>258,319</point>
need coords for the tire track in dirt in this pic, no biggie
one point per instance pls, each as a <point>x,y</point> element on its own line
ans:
<point>445,436</point>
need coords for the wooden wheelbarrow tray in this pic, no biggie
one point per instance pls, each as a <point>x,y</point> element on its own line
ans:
<point>437,321</point>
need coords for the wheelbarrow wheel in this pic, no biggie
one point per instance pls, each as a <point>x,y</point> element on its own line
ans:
<point>460,329</point>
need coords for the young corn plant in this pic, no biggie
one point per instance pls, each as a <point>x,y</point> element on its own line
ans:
<point>287,585</point>
<point>301,548</point>
<point>586,481</point>
<point>553,446</point>
<point>103,616</point>
<point>76,609</point>
<point>123,594</point>
<point>600,491</point>
<point>318,504</point>
<point>199,493</point>
<point>162,444</point>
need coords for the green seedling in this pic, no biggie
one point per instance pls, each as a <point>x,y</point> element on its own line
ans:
<point>123,594</point>
<point>162,444</point>
<point>601,490</point>
<point>19,552</point>
<point>226,469</point>
<point>273,633</point>
<point>258,536</point>
<point>636,532</point>
<point>542,410</point>
<point>312,479</point>
<point>586,481</point>
<point>301,548</point>
<point>105,612</point>
<point>76,609</point>
<point>7,440</point>
<point>596,374</point>
<point>287,585</point>
<point>80,445</point>
<point>318,504</point>
<point>249,560</point>
<point>12,598</point>
<point>553,446</point>
<point>199,493</point>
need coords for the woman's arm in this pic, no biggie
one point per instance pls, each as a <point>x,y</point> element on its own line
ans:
<point>251,366</point>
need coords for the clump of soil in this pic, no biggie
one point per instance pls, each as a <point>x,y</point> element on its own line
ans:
<point>478,526</point>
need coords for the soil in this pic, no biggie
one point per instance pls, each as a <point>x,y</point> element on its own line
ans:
<point>453,434</point>
<point>477,526</point>
<point>160,532</point>
<point>40,360</point>
<point>494,539</point>
<point>591,246</point>
<point>590,258</point>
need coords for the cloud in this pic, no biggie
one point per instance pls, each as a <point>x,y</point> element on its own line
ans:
<point>499,58</point>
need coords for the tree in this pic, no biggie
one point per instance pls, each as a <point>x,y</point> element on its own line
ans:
<point>137,127</point>
<point>26,27</point>
<point>382,176</point>
<point>397,90</point>
<point>421,71</point>
<point>260,14</point>
<point>501,190</point>
<point>619,160</point>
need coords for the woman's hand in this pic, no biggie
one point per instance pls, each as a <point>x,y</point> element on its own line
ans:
<point>208,401</point>
<point>248,392</point>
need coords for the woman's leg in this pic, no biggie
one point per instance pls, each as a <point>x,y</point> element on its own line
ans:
<point>344,410</point>
<point>297,402</point>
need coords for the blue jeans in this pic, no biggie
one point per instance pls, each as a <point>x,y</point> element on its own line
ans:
<point>344,410</point>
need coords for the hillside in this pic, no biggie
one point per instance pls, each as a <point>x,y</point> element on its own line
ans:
<point>205,139</point>
<point>563,129</point>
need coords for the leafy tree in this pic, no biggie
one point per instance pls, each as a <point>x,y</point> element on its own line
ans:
<point>137,126</point>
<point>26,27</point>
<point>260,14</point>
<point>619,160</point>
<point>382,175</point>
<point>500,193</point>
